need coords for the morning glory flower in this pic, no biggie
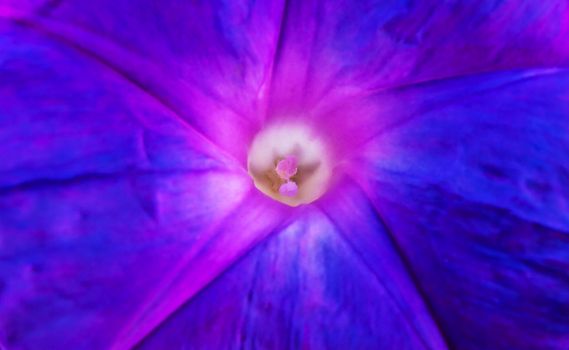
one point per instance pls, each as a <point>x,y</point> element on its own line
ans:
<point>282,174</point>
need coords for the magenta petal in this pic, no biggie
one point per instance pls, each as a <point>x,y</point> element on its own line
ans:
<point>475,191</point>
<point>305,288</point>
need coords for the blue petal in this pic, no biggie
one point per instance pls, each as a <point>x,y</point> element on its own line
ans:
<point>102,190</point>
<point>344,46</point>
<point>66,115</point>
<point>475,188</point>
<point>209,62</point>
<point>306,288</point>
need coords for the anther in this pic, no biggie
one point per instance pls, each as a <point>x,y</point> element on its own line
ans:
<point>287,167</point>
<point>288,189</point>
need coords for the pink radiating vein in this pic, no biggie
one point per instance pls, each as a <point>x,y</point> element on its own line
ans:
<point>218,248</point>
<point>349,211</point>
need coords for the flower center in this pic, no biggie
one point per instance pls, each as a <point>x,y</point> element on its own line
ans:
<point>289,164</point>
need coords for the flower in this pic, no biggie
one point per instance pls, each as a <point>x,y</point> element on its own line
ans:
<point>438,219</point>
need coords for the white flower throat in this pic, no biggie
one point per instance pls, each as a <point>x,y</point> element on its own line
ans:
<point>289,164</point>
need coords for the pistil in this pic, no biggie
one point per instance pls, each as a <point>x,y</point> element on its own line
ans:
<point>286,168</point>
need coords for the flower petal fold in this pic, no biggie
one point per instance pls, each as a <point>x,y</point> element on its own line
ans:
<point>103,189</point>
<point>344,46</point>
<point>65,115</point>
<point>304,288</point>
<point>476,192</point>
<point>217,249</point>
<point>208,61</point>
<point>80,260</point>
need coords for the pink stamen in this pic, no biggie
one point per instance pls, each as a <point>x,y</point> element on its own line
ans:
<point>288,189</point>
<point>287,168</point>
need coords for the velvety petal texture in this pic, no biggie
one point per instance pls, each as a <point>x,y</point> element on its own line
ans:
<point>128,219</point>
<point>216,54</point>
<point>338,47</point>
<point>475,191</point>
<point>306,288</point>
<point>101,190</point>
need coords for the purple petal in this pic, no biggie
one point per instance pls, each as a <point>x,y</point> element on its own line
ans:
<point>80,260</point>
<point>103,190</point>
<point>64,115</point>
<point>476,192</point>
<point>114,193</point>
<point>255,218</point>
<point>209,62</point>
<point>348,46</point>
<point>305,288</point>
